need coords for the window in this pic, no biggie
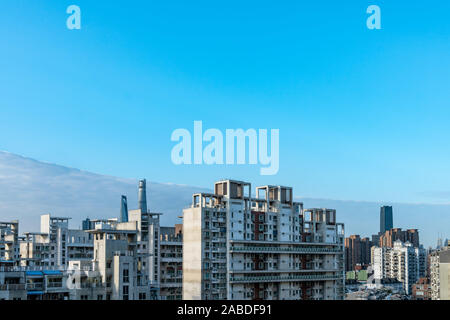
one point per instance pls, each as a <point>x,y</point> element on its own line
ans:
<point>125,292</point>
<point>125,275</point>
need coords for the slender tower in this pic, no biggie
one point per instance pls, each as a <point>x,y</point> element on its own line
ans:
<point>142,197</point>
<point>123,209</point>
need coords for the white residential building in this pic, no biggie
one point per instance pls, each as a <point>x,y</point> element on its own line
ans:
<point>378,262</point>
<point>236,246</point>
<point>55,245</point>
<point>107,260</point>
<point>403,262</point>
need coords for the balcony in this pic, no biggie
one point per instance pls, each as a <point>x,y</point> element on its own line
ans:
<point>12,287</point>
<point>283,271</point>
<point>285,278</point>
<point>171,285</point>
<point>35,286</point>
<point>54,285</point>
<point>305,250</point>
<point>172,259</point>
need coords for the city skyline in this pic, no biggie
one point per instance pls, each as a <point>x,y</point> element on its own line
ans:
<point>65,191</point>
<point>233,244</point>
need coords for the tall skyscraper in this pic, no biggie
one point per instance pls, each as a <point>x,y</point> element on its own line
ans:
<point>142,196</point>
<point>87,224</point>
<point>386,219</point>
<point>123,209</point>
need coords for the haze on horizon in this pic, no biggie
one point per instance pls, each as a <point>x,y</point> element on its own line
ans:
<point>31,188</point>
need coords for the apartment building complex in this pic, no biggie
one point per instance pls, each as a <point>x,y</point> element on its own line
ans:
<point>388,238</point>
<point>402,262</point>
<point>357,252</point>
<point>236,246</point>
<point>440,273</point>
<point>55,245</point>
<point>108,259</point>
<point>125,259</point>
<point>28,283</point>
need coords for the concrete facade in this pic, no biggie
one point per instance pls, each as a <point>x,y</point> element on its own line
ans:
<point>171,264</point>
<point>440,274</point>
<point>239,247</point>
<point>403,262</point>
<point>9,242</point>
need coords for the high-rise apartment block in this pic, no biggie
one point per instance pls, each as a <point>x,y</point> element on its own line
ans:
<point>402,262</point>
<point>171,265</point>
<point>124,257</point>
<point>55,245</point>
<point>357,252</point>
<point>388,238</point>
<point>236,246</point>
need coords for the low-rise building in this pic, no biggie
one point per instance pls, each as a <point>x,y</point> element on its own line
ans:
<point>421,290</point>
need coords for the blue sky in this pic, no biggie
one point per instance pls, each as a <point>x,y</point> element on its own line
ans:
<point>363,114</point>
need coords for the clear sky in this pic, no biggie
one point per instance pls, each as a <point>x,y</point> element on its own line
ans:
<point>363,114</point>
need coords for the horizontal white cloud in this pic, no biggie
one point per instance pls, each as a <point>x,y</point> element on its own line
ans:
<point>29,188</point>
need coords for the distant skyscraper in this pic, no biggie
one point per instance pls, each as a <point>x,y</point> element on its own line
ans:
<point>86,224</point>
<point>439,243</point>
<point>142,196</point>
<point>386,219</point>
<point>124,209</point>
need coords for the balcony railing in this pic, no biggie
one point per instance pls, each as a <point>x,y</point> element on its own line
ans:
<point>12,287</point>
<point>285,278</point>
<point>35,286</point>
<point>287,250</point>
